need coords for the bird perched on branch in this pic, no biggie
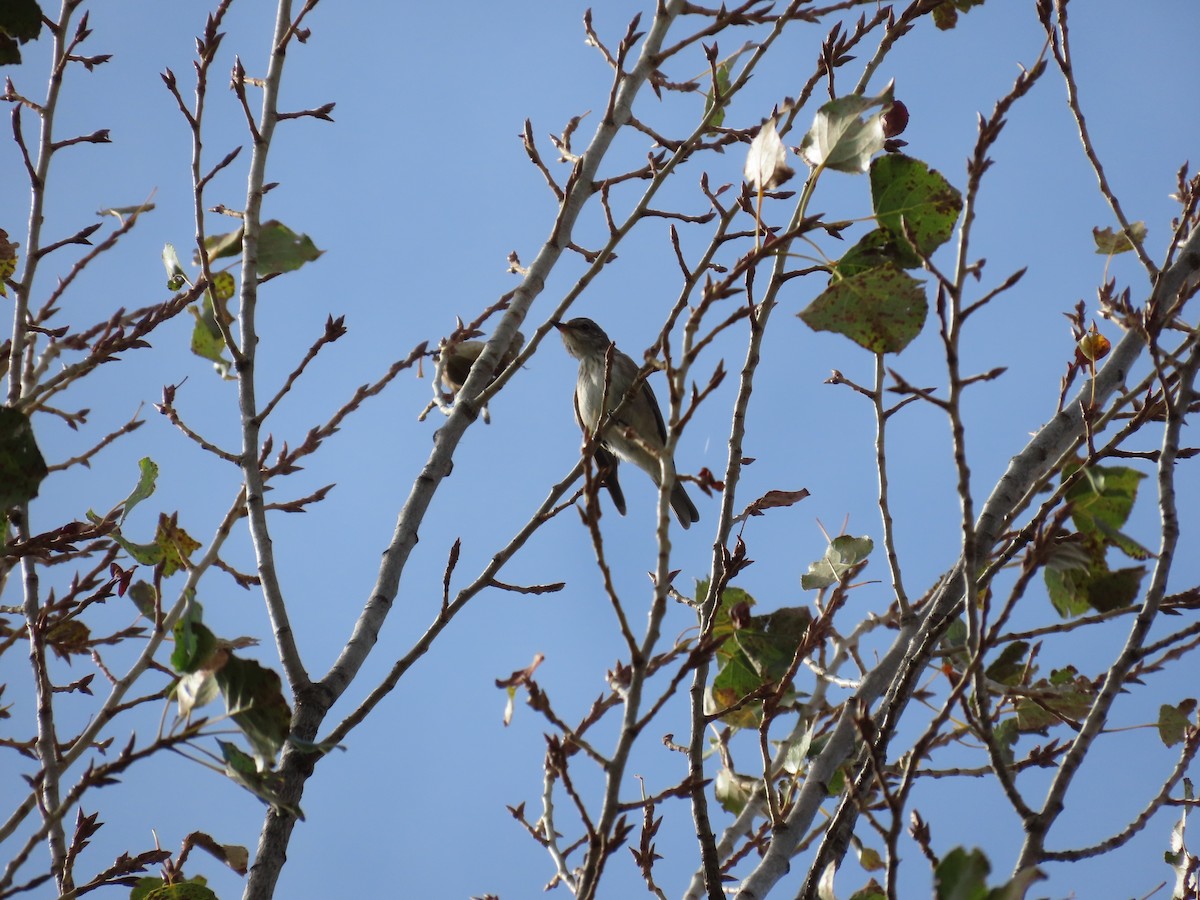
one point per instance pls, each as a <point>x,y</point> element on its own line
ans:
<point>457,358</point>
<point>638,433</point>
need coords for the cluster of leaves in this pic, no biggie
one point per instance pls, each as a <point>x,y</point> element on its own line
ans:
<point>280,250</point>
<point>1077,575</point>
<point>759,654</point>
<point>253,694</point>
<point>871,298</point>
<point>207,666</point>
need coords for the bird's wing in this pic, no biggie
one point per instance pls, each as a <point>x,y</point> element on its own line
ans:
<point>658,419</point>
<point>575,403</point>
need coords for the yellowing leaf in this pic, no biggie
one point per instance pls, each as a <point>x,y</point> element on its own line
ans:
<point>207,340</point>
<point>8,259</point>
<point>1174,722</point>
<point>223,285</point>
<point>1110,241</point>
<point>1094,346</point>
<point>69,636</point>
<point>177,545</point>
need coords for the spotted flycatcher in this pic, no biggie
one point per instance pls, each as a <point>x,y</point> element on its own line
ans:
<point>638,433</point>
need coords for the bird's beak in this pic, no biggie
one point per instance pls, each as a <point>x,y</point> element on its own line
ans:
<point>561,326</point>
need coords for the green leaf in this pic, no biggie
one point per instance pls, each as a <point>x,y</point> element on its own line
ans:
<point>254,698</point>
<point>962,875</point>
<point>769,642</point>
<point>1104,494</point>
<point>796,756</point>
<point>1066,675</point>
<point>736,678</point>
<point>872,890</point>
<point>837,782</point>
<point>1006,734</point>
<point>20,21</point>
<point>207,340</point>
<point>732,790</point>
<point>873,250</point>
<point>143,595</point>
<point>882,309</point>
<point>722,616</point>
<point>176,277</point>
<point>908,195</point>
<point>757,651</point>
<point>714,116</point>
<point>1123,542</point>
<point>843,553</point>
<point>1011,667</point>
<point>147,480</point>
<point>1110,241</point>
<point>1118,589</point>
<point>282,250</point>
<point>69,636</point>
<point>1077,576</point>
<point>10,53</point>
<point>322,747</point>
<point>1067,594</point>
<point>22,467</point>
<point>146,554</point>
<point>221,246</point>
<point>839,139</point>
<point>194,642</point>
<point>955,637</point>
<point>1048,705</point>
<point>1077,591</point>
<point>1101,503</point>
<point>870,859</point>
<point>279,248</point>
<point>263,783</point>
<point>1174,722</point>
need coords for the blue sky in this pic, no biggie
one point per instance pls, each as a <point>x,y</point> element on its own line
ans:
<point>418,194</point>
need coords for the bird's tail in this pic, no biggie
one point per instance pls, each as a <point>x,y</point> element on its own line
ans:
<point>685,509</point>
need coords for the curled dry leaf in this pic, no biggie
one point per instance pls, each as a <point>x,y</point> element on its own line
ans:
<point>772,500</point>
<point>1093,346</point>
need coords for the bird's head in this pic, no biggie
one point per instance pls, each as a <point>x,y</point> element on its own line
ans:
<point>583,337</point>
